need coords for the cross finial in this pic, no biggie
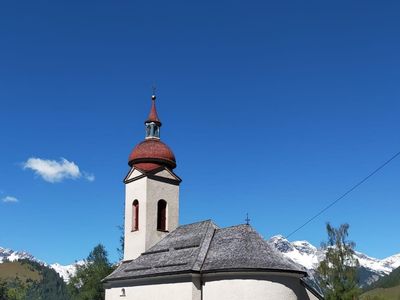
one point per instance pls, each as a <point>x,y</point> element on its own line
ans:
<point>154,88</point>
<point>247,219</point>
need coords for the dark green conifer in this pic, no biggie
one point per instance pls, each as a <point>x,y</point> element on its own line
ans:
<point>86,284</point>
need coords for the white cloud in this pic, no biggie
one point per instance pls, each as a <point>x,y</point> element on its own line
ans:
<point>55,171</point>
<point>10,199</point>
<point>90,177</point>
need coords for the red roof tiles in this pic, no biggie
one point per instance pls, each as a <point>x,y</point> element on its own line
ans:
<point>151,154</point>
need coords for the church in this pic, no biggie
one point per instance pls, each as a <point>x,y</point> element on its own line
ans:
<point>165,260</point>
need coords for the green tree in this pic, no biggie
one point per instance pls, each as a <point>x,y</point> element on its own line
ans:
<point>16,290</point>
<point>121,228</point>
<point>338,271</point>
<point>3,290</point>
<point>51,286</point>
<point>86,284</point>
<point>120,249</point>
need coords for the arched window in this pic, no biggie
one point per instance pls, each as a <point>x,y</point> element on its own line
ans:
<point>135,215</point>
<point>162,215</point>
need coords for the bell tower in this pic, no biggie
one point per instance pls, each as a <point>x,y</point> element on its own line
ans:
<point>151,191</point>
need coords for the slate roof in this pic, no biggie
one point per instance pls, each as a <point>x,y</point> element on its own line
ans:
<point>203,247</point>
<point>241,247</point>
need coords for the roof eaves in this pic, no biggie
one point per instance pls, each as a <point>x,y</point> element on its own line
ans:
<point>263,270</point>
<point>155,275</point>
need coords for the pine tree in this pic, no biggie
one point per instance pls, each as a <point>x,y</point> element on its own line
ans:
<point>86,284</point>
<point>338,271</point>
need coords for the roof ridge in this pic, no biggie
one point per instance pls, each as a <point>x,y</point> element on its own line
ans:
<point>208,249</point>
<point>197,222</point>
<point>238,225</point>
<point>210,226</point>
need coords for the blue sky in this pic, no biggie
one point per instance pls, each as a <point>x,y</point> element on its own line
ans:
<point>274,108</point>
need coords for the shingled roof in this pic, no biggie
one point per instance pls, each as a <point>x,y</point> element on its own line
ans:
<point>203,247</point>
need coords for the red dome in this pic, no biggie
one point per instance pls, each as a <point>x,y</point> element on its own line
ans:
<point>151,154</point>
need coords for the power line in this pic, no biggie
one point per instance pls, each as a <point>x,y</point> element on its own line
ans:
<point>345,194</point>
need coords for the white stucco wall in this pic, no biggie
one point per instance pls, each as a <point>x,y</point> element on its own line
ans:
<point>254,286</point>
<point>165,174</point>
<point>247,289</point>
<point>241,286</point>
<point>148,192</point>
<point>171,291</point>
<point>135,241</point>
<point>157,190</point>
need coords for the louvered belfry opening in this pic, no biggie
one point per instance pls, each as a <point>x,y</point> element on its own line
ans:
<point>162,215</point>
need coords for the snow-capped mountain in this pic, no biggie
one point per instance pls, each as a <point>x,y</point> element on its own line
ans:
<point>307,255</point>
<point>64,271</point>
<point>10,255</point>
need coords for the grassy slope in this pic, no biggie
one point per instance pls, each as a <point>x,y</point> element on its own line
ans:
<point>392,293</point>
<point>386,288</point>
<point>11,270</point>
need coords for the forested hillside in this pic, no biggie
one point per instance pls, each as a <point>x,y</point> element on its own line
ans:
<point>26,279</point>
<point>30,280</point>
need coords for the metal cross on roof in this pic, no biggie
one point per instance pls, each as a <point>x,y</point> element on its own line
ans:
<point>247,219</point>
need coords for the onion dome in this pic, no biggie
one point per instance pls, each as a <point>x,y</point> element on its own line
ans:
<point>152,153</point>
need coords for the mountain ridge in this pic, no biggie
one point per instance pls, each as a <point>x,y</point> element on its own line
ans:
<point>65,271</point>
<point>304,253</point>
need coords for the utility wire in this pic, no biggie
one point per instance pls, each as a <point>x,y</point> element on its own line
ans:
<point>345,194</point>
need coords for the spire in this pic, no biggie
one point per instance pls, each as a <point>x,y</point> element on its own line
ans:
<point>153,117</point>
<point>153,123</point>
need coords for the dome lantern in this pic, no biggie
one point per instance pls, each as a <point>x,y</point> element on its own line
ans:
<point>153,123</point>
